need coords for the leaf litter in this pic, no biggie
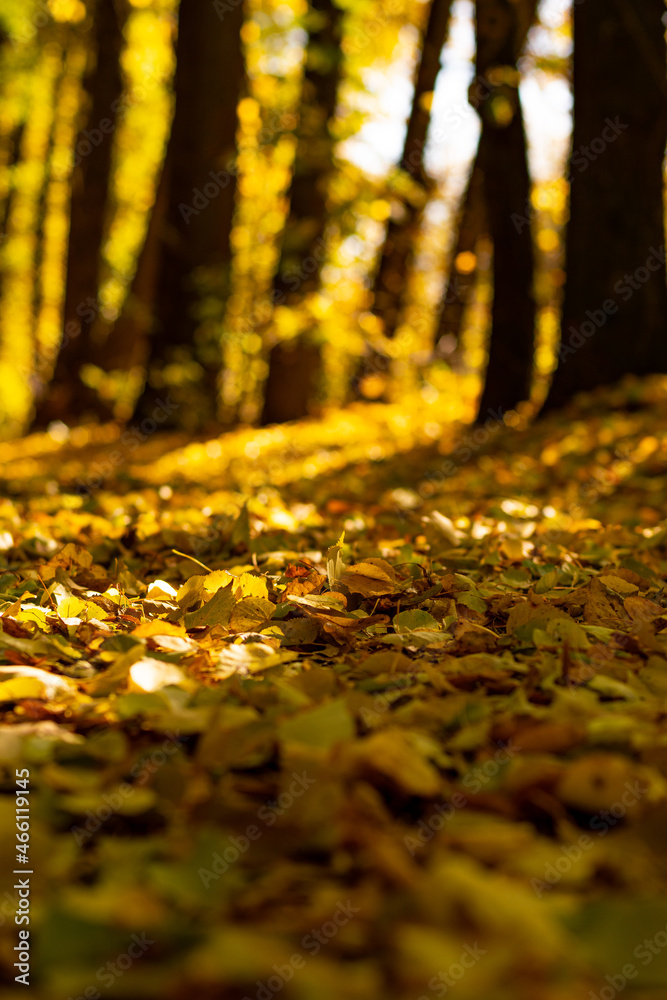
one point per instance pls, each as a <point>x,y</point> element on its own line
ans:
<point>407,727</point>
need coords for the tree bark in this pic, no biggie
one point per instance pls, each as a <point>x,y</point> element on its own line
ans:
<point>398,247</point>
<point>501,28</point>
<point>43,206</point>
<point>294,368</point>
<point>67,398</point>
<point>9,158</point>
<point>127,343</point>
<point>397,251</point>
<point>615,301</point>
<point>195,255</point>
<point>472,225</point>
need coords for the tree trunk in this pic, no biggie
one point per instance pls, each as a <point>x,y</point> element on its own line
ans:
<point>43,206</point>
<point>471,227</point>
<point>193,272</point>
<point>67,398</point>
<point>402,231</point>
<point>9,158</point>
<point>302,250</point>
<point>501,27</point>
<point>295,367</point>
<point>397,251</point>
<point>126,345</point>
<point>615,302</point>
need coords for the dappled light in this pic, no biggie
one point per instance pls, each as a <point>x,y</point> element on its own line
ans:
<point>333,500</point>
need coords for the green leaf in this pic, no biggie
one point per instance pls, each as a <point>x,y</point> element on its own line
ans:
<point>319,727</point>
<point>472,601</point>
<point>241,530</point>
<point>409,621</point>
<point>547,582</point>
<point>217,611</point>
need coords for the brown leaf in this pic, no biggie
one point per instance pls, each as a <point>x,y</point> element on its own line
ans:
<point>529,611</point>
<point>600,607</point>
<point>642,610</point>
<point>299,584</point>
<point>370,578</point>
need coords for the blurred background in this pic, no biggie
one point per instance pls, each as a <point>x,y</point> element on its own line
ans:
<point>250,212</point>
<point>304,161</point>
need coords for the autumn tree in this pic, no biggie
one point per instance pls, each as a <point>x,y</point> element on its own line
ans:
<point>615,302</point>
<point>190,271</point>
<point>294,366</point>
<point>501,27</point>
<point>471,226</point>
<point>10,147</point>
<point>397,250</point>
<point>409,199</point>
<point>126,345</point>
<point>67,398</point>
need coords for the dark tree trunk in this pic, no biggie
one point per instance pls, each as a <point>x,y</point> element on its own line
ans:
<point>472,225</point>
<point>302,251</point>
<point>67,398</point>
<point>507,189</point>
<point>615,302</point>
<point>295,367</point>
<point>402,231</point>
<point>501,27</point>
<point>126,345</point>
<point>9,158</point>
<point>398,249</point>
<point>43,205</point>
<point>195,255</point>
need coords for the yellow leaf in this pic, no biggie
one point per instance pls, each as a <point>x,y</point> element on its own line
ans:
<point>147,629</point>
<point>245,585</point>
<point>320,727</point>
<point>251,614</point>
<point>72,607</point>
<point>211,582</point>
<point>73,555</point>
<point>618,585</point>
<point>248,585</point>
<point>335,565</point>
<point>148,674</point>
<point>216,611</point>
<point>515,548</point>
<point>600,780</point>
<point>391,753</point>
<point>51,686</point>
<point>21,687</point>
<point>160,590</point>
<point>33,613</point>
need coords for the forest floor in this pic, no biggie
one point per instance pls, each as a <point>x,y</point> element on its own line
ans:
<point>366,707</point>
